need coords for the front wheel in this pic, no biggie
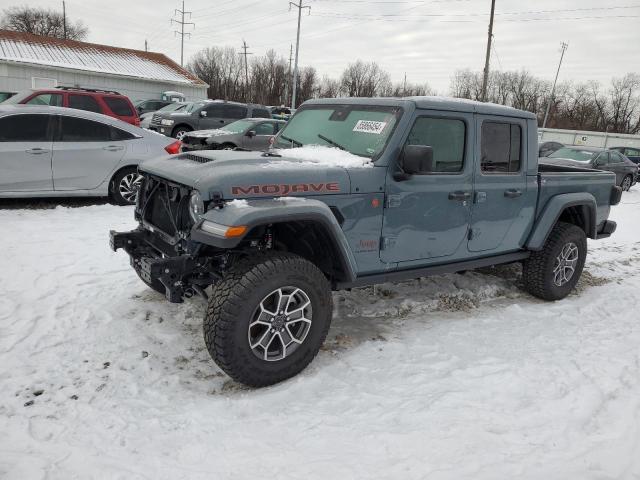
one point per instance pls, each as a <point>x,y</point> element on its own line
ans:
<point>554,271</point>
<point>267,319</point>
<point>626,183</point>
<point>180,132</point>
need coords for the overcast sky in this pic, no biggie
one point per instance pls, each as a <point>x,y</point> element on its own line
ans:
<point>428,40</point>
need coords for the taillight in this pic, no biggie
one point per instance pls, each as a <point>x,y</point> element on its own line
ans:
<point>173,148</point>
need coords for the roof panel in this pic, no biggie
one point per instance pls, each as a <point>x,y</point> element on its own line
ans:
<point>53,52</point>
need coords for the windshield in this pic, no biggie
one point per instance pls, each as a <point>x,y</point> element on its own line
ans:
<point>194,106</point>
<point>239,126</point>
<point>573,154</point>
<point>358,129</point>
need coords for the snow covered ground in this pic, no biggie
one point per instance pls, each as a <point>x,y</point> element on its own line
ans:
<point>451,377</point>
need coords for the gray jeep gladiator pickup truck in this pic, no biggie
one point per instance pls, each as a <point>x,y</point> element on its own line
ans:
<point>356,192</point>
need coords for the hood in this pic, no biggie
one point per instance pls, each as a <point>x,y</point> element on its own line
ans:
<point>217,132</point>
<point>242,174</point>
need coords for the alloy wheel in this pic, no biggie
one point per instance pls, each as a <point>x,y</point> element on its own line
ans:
<point>565,264</point>
<point>280,323</point>
<point>129,186</point>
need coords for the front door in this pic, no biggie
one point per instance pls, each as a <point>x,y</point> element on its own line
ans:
<point>25,153</point>
<point>498,214</point>
<point>84,154</point>
<point>426,217</point>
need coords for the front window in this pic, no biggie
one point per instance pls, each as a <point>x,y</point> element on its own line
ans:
<point>359,129</point>
<point>573,154</point>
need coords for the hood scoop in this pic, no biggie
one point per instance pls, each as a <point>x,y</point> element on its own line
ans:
<point>195,158</point>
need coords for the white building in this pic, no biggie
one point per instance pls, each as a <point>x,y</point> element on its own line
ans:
<point>34,61</point>
<point>588,139</point>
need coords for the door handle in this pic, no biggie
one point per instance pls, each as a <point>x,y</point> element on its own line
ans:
<point>459,196</point>
<point>512,193</point>
<point>37,151</point>
<point>113,148</point>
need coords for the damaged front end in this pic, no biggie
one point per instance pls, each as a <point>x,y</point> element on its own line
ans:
<point>160,249</point>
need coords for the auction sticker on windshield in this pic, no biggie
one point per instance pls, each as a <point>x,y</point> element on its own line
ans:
<point>369,126</point>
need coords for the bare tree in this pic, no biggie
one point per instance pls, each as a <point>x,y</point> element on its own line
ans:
<point>624,104</point>
<point>362,79</point>
<point>41,21</point>
<point>222,69</point>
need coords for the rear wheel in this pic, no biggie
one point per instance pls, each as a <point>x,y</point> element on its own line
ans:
<point>554,271</point>
<point>268,318</point>
<point>125,186</point>
<point>626,183</point>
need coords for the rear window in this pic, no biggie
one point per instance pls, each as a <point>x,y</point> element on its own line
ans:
<point>501,145</point>
<point>119,106</point>
<point>84,102</point>
<point>75,129</point>
<point>260,113</point>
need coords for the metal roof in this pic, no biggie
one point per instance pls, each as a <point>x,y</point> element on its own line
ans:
<point>90,57</point>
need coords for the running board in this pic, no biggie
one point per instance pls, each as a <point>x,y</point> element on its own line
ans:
<point>400,275</point>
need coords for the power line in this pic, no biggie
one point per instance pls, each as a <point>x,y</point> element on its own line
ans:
<point>553,89</point>
<point>182,33</point>
<point>300,7</point>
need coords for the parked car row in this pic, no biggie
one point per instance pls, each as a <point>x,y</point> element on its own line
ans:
<point>208,114</point>
<point>50,151</point>
<point>610,160</point>
<point>248,134</point>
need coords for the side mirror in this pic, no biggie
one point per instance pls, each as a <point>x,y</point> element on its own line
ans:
<point>251,133</point>
<point>417,160</point>
<point>203,113</point>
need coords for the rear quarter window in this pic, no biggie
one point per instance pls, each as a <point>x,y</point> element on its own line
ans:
<point>119,106</point>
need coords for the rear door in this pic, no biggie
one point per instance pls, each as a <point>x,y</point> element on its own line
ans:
<point>25,153</point>
<point>498,213</point>
<point>603,162</point>
<point>84,153</point>
<point>84,102</point>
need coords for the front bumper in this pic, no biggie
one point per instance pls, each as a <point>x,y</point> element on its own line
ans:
<point>181,275</point>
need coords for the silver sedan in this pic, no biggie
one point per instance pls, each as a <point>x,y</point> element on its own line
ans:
<point>61,152</point>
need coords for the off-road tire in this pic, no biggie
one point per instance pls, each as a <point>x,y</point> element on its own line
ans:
<point>115,195</point>
<point>235,299</point>
<point>626,183</point>
<point>538,269</point>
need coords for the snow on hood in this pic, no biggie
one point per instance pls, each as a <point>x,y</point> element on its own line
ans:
<point>324,156</point>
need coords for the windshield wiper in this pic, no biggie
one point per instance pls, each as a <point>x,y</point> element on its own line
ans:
<point>295,142</point>
<point>331,142</point>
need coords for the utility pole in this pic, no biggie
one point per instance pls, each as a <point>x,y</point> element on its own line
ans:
<point>553,89</point>
<point>64,19</point>
<point>299,6</point>
<point>485,79</point>
<point>182,33</point>
<point>404,85</point>
<point>286,98</point>
<point>246,68</point>
<point>146,46</point>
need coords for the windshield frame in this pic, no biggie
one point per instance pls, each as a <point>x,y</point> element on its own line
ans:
<point>397,110</point>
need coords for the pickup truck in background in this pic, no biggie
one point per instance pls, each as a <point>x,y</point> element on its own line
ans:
<point>356,192</point>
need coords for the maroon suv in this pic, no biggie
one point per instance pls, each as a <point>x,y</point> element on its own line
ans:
<point>99,101</point>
